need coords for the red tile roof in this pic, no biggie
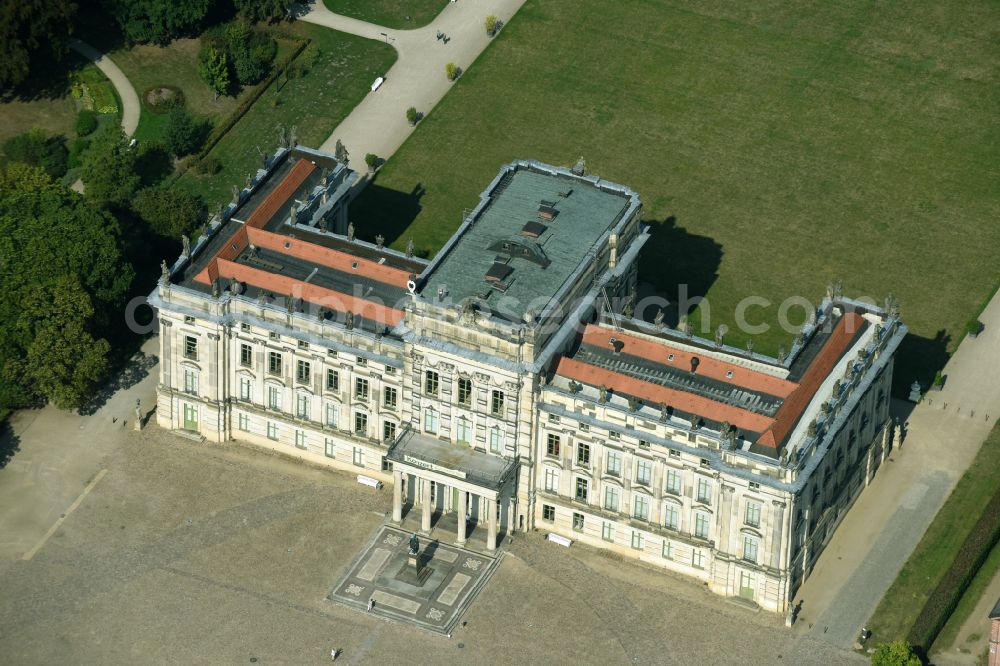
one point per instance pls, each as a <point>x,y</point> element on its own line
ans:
<point>657,352</point>
<point>791,410</point>
<point>655,394</point>
<point>281,194</point>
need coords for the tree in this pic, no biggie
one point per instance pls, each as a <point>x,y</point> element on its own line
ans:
<point>491,24</point>
<point>86,122</point>
<point>169,212</point>
<point>64,282</point>
<point>213,67</point>
<point>263,10</point>
<point>158,21</point>
<point>183,134</point>
<point>451,70</point>
<point>109,168</point>
<point>26,26</point>
<point>897,653</point>
<point>38,149</point>
<point>411,115</point>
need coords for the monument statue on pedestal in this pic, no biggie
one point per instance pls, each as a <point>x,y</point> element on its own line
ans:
<point>414,544</point>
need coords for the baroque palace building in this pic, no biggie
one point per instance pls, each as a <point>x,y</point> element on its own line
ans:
<point>503,381</point>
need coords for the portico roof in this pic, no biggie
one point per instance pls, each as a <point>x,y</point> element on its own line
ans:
<point>453,460</point>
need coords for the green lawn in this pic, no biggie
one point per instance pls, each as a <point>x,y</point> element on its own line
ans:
<point>776,146</point>
<point>904,600</point>
<point>949,638</point>
<point>314,103</point>
<point>397,14</point>
<point>176,64</point>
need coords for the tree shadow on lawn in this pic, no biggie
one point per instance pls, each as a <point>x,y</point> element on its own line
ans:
<point>382,210</point>
<point>677,266</point>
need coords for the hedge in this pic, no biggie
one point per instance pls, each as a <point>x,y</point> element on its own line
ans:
<point>945,597</point>
<point>220,130</point>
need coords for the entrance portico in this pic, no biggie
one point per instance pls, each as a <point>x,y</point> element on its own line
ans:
<point>470,483</point>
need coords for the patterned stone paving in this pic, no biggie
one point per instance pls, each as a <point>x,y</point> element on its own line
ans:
<point>456,577</point>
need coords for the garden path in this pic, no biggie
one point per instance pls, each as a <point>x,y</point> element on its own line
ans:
<point>129,98</point>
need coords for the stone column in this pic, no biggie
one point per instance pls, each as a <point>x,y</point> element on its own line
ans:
<point>725,515</point>
<point>777,522</point>
<point>425,500</point>
<point>463,507</point>
<point>397,496</point>
<point>491,538</point>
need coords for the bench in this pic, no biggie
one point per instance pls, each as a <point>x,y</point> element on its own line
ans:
<point>559,539</point>
<point>369,481</point>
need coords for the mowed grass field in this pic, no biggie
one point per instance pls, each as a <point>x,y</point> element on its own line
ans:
<point>776,146</point>
<point>313,103</point>
<point>398,14</point>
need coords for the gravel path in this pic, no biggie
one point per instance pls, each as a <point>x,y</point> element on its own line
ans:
<point>130,100</point>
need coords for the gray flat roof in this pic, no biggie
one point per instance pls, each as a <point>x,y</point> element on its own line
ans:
<point>476,466</point>
<point>541,262</point>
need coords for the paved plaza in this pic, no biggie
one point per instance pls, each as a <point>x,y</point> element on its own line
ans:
<point>382,573</point>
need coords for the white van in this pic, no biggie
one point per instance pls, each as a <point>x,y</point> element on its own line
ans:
<point>378,83</point>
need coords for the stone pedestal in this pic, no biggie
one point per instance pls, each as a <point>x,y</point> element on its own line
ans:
<point>414,571</point>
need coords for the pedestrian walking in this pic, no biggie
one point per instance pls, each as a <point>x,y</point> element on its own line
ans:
<point>371,604</point>
<point>334,653</point>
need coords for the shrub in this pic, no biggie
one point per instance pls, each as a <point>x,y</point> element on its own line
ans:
<point>452,71</point>
<point>160,99</point>
<point>208,166</point>
<point>411,115</point>
<point>38,149</point>
<point>974,327</point>
<point>371,159</point>
<point>183,134</point>
<point>213,66</point>
<point>491,24</point>
<point>76,151</point>
<point>897,653</point>
<point>86,122</point>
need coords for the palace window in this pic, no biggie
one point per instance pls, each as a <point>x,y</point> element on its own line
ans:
<point>671,516</point>
<point>245,327</point>
<point>704,491</point>
<point>430,420</point>
<point>668,549</point>
<point>331,414</point>
<point>641,507</point>
<point>611,497</point>
<point>190,381</point>
<point>274,336</point>
<point>581,490</point>
<point>246,355</point>
<point>302,406</point>
<point>697,559</point>
<point>302,372</point>
<point>643,472</point>
<point>583,454</point>
<point>431,382</point>
<point>274,397</point>
<point>496,403</point>
<point>752,517</point>
<point>389,397</point>
<point>496,439</point>
<point>389,370</point>
<point>246,389</point>
<point>464,391</point>
<point>701,524</point>
<point>548,512</point>
<point>673,482</point>
<point>274,363</point>
<point>300,439</point>
<point>272,430</point>
<point>361,423</point>
<point>303,344</point>
<point>332,380</point>
<point>388,431</point>
<point>361,389</point>
<point>578,522</point>
<point>673,453</point>
<point>749,548</point>
<point>638,540</point>
<point>191,347</point>
<point>551,480</point>
<point>359,456</point>
<point>552,446</point>
<point>360,360</point>
<point>614,463</point>
<point>329,448</point>
<point>463,433</point>
<point>608,531</point>
<point>244,423</point>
